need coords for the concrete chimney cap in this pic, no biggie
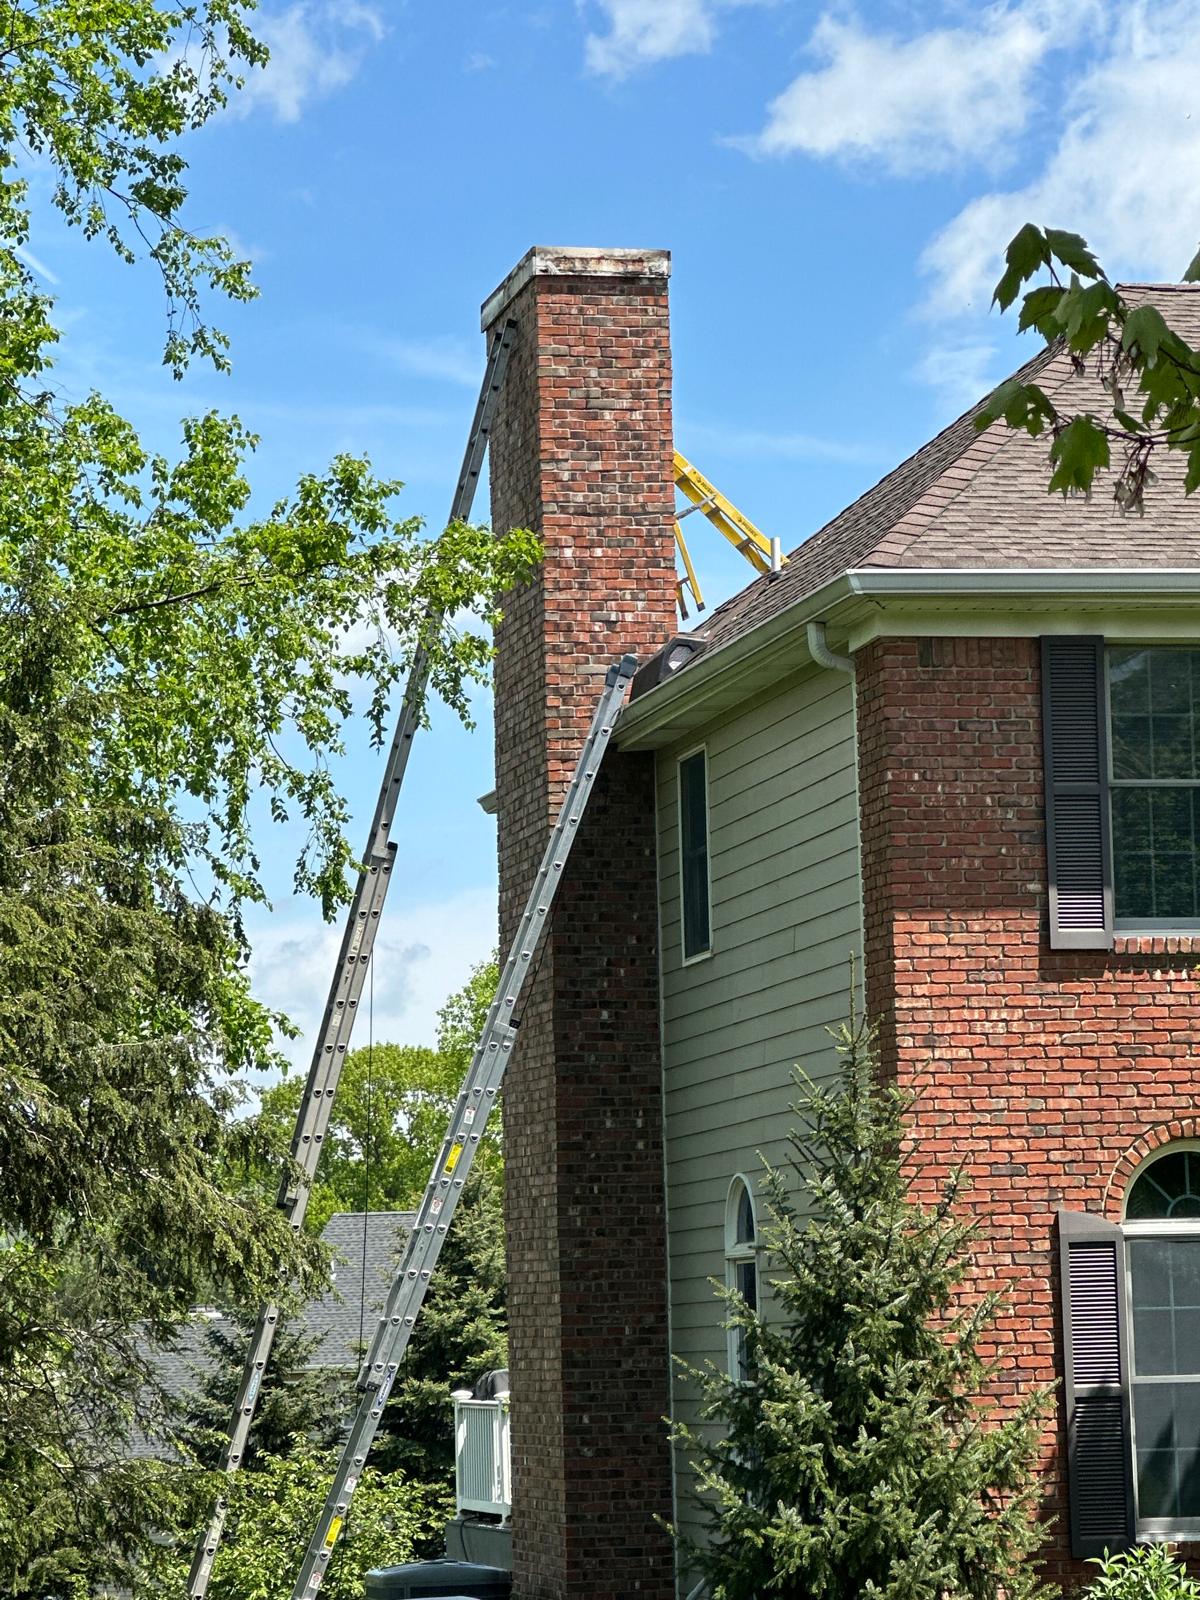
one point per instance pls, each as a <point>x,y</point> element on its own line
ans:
<point>572,261</point>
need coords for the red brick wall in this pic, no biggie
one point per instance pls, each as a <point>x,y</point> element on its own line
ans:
<point>1050,1074</point>
<point>581,451</point>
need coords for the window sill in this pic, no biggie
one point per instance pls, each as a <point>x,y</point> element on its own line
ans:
<point>1145,943</point>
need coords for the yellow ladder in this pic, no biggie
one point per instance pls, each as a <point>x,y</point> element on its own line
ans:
<point>726,518</point>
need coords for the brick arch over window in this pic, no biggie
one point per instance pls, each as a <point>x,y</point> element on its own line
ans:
<point>1170,1131</point>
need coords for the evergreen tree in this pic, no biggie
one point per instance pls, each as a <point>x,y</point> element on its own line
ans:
<point>862,1454</point>
<point>298,1400</point>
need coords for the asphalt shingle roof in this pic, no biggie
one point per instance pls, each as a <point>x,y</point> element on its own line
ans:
<point>334,1319</point>
<point>971,499</point>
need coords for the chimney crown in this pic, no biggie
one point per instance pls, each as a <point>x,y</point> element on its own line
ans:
<point>572,261</point>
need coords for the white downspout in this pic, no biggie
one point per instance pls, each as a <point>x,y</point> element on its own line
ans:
<point>822,654</point>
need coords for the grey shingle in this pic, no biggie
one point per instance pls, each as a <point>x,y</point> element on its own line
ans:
<point>334,1319</point>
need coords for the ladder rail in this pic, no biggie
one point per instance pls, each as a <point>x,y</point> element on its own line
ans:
<point>358,939</point>
<point>725,517</point>
<point>464,1132</point>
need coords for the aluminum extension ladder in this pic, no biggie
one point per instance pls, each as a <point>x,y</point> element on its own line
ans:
<point>475,1101</point>
<point>358,938</point>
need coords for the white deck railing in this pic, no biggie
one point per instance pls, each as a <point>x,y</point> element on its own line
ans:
<point>482,1456</point>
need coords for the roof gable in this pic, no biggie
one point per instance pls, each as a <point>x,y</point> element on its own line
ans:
<point>970,499</point>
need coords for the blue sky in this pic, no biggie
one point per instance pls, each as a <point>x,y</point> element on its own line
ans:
<point>834,181</point>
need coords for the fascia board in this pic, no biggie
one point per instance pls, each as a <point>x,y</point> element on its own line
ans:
<point>874,601</point>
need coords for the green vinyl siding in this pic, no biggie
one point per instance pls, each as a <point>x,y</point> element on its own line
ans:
<point>786,918</point>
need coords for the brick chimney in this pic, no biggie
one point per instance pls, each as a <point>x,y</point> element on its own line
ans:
<point>581,451</point>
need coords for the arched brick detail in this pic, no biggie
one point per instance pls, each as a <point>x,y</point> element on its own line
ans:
<point>1169,1131</point>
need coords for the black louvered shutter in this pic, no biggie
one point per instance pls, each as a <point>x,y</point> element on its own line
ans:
<point>1078,846</point>
<point>1096,1386</point>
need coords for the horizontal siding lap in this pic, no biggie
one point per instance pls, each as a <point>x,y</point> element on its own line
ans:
<point>786,892</point>
<point>745,1000</point>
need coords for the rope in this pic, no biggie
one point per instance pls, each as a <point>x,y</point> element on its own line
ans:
<point>531,980</point>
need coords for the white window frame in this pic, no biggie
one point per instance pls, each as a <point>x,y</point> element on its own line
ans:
<point>1162,926</point>
<point>737,1253</point>
<point>706,953</point>
<point>1154,1530</point>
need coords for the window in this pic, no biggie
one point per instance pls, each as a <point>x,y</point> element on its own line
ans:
<point>741,1264</point>
<point>1154,719</point>
<point>693,855</point>
<point>1162,1258</point>
<point>1122,737</point>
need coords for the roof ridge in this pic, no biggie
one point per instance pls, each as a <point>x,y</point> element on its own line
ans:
<point>410,1211</point>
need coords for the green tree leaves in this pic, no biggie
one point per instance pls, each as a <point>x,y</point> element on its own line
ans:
<point>174,667</point>
<point>101,90</point>
<point>272,1513</point>
<point>390,1114</point>
<point>1127,345</point>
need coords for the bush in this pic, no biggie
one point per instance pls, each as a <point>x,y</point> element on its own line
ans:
<point>273,1511</point>
<point>1146,1572</point>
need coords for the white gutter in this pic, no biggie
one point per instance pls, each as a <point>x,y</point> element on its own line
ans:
<point>875,585</point>
<point>939,583</point>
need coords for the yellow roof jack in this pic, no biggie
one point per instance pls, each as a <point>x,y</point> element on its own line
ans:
<point>762,553</point>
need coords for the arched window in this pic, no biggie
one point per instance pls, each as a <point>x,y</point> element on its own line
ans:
<point>1167,1186</point>
<point>741,1264</point>
<point>1162,1247</point>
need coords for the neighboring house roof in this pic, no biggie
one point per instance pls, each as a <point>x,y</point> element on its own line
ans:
<point>334,1319</point>
<point>971,499</point>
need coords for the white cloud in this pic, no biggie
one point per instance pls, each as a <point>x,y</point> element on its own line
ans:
<point>925,104</point>
<point>1124,170</point>
<point>316,48</point>
<point>36,264</point>
<point>442,356</point>
<point>760,444</point>
<point>423,954</point>
<point>641,32</point>
<point>960,372</point>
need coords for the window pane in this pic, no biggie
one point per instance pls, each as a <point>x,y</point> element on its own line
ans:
<point>1153,1338</point>
<point>693,853</point>
<point>1187,1443</point>
<point>745,1218</point>
<point>1156,843</point>
<point>1154,695</point>
<point>1131,750</point>
<point>1171,746</point>
<point>1154,1415</point>
<point>1129,680</point>
<point>1129,700</point>
<point>1166,1424</point>
<point>1164,1279</point>
<point>1156,1484</point>
<point>1168,1187</point>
